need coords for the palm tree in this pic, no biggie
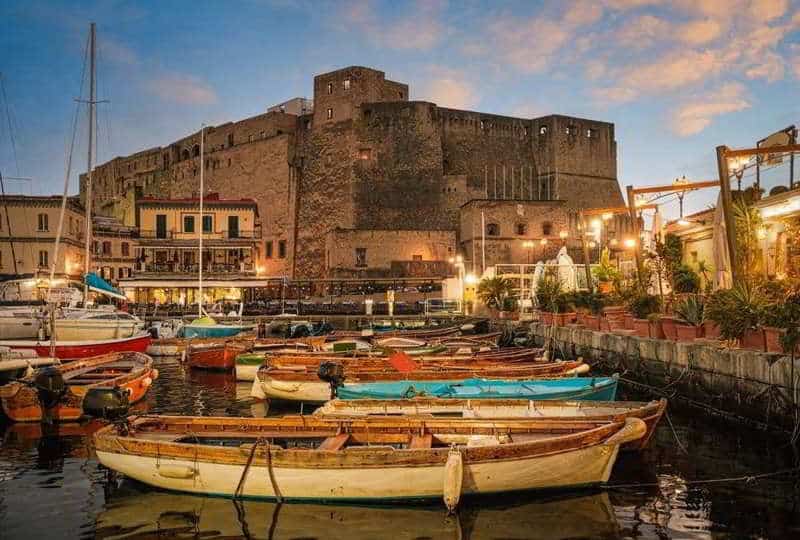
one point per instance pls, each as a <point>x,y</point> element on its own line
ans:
<point>494,291</point>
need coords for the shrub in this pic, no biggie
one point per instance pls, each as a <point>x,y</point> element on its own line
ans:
<point>685,280</point>
<point>494,291</point>
<point>736,310</point>
<point>644,305</point>
<point>605,271</point>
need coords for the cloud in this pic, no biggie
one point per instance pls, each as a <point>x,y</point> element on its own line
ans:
<point>694,116</point>
<point>419,29</point>
<point>771,68</point>
<point>699,32</point>
<point>182,89</point>
<point>449,88</point>
<point>117,52</point>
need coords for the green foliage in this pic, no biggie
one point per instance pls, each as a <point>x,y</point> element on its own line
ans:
<point>748,221</point>
<point>644,305</point>
<point>586,300</point>
<point>605,271</point>
<point>737,310</point>
<point>671,251</point>
<point>691,310</point>
<point>685,280</point>
<point>551,296</point>
<point>790,320</point>
<point>494,291</point>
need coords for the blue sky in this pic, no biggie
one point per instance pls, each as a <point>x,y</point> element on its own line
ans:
<point>677,78</point>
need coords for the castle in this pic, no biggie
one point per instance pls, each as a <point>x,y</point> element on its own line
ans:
<point>362,182</point>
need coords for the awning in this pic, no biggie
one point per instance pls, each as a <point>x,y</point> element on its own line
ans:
<point>99,285</point>
<point>145,283</point>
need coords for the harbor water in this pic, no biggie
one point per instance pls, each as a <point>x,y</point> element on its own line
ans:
<point>51,486</point>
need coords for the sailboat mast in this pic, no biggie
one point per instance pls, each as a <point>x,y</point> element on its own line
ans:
<point>202,231</point>
<point>89,172</point>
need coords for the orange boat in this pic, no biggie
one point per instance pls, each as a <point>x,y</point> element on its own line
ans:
<point>220,354</point>
<point>60,393</point>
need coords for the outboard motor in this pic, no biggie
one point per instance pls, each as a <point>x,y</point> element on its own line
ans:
<point>333,374</point>
<point>110,404</point>
<point>50,386</point>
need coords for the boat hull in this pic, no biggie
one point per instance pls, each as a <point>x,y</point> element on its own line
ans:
<point>95,329</point>
<point>66,350</point>
<point>212,331</point>
<point>19,327</point>
<point>214,357</point>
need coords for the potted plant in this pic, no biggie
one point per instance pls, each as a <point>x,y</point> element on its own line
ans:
<point>642,306</point>
<point>605,272</point>
<point>739,312</point>
<point>493,292</point>
<point>595,304</point>
<point>685,280</point>
<point>690,316</point>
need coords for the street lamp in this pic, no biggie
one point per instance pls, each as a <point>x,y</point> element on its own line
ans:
<point>564,234</point>
<point>629,243</point>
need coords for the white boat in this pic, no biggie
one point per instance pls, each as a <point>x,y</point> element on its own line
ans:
<point>390,459</point>
<point>20,322</point>
<point>97,325</point>
<point>14,363</point>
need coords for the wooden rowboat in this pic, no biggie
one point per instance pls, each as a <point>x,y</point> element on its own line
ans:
<point>301,383</point>
<point>209,355</point>
<point>363,459</point>
<point>650,412</point>
<point>129,371</point>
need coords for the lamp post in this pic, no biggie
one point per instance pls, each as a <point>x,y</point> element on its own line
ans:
<point>458,262</point>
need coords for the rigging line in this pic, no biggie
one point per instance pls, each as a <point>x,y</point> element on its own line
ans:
<point>10,126</point>
<point>748,479</point>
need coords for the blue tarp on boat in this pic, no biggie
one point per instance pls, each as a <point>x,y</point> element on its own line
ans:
<point>208,327</point>
<point>575,388</point>
<point>98,284</point>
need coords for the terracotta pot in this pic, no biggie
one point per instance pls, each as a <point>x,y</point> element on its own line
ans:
<point>669,324</point>
<point>641,327</point>
<point>616,320</point>
<point>754,339</point>
<point>657,329</point>
<point>628,321</point>
<point>711,330</point>
<point>604,287</point>
<point>546,317</point>
<point>580,318</point>
<point>592,322</point>
<point>772,339</point>
<point>687,332</point>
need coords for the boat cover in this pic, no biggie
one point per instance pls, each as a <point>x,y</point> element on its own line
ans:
<point>99,285</point>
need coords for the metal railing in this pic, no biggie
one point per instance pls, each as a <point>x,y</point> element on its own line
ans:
<point>177,268</point>
<point>254,234</point>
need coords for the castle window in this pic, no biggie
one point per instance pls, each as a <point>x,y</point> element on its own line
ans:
<point>330,88</point>
<point>250,138</point>
<point>361,257</point>
<point>43,259</point>
<point>591,133</point>
<point>185,154</point>
<point>365,154</point>
<point>196,150</point>
<point>330,114</point>
<point>522,229</point>
<point>308,124</point>
<point>367,114</point>
<point>269,249</point>
<point>492,229</point>
<point>230,140</point>
<point>346,84</point>
<point>264,135</point>
<point>482,124</point>
<point>43,222</point>
<point>542,130</point>
<point>400,95</point>
<point>547,228</point>
<point>570,130</point>
<point>282,249</point>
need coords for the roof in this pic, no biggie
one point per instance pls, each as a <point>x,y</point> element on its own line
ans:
<point>209,198</point>
<point>73,201</point>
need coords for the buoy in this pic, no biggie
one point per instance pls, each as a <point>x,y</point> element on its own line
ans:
<point>453,479</point>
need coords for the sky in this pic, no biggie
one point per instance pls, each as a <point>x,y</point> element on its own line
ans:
<point>676,78</point>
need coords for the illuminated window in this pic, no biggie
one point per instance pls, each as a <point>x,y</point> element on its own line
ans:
<point>542,130</point>
<point>330,114</point>
<point>330,88</point>
<point>346,84</point>
<point>365,154</point>
<point>492,229</point>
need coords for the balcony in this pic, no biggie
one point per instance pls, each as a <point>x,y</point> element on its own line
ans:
<point>218,235</point>
<point>208,269</point>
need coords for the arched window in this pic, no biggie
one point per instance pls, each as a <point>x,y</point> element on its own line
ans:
<point>547,228</point>
<point>522,229</point>
<point>492,229</point>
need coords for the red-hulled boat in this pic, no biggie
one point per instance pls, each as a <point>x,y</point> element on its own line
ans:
<point>210,355</point>
<point>73,350</point>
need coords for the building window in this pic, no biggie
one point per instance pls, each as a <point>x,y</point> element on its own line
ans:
<point>233,226</point>
<point>400,95</point>
<point>43,222</point>
<point>365,154</point>
<point>570,130</point>
<point>195,150</point>
<point>250,138</point>
<point>208,224</point>
<point>492,229</point>
<point>522,229</point>
<point>361,257</point>
<point>121,273</point>
<point>282,249</point>
<point>126,249</point>
<point>269,249</point>
<point>188,224</point>
<point>230,140</point>
<point>346,84</point>
<point>542,130</point>
<point>43,259</point>
<point>95,247</point>
<point>416,257</point>
<point>307,124</point>
<point>330,88</point>
<point>330,114</point>
<point>107,248</point>
<point>591,133</point>
<point>547,228</point>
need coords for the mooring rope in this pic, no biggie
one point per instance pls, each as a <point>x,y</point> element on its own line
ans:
<point>747,479</point>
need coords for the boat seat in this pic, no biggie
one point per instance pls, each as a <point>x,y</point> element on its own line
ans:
<point>421,441</point>
<point>334,443</point>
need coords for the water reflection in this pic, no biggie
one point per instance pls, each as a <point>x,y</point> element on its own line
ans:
<point>135,512</point>
<point>51,486</point>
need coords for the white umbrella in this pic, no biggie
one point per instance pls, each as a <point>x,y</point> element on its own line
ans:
<point>722,259</point>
